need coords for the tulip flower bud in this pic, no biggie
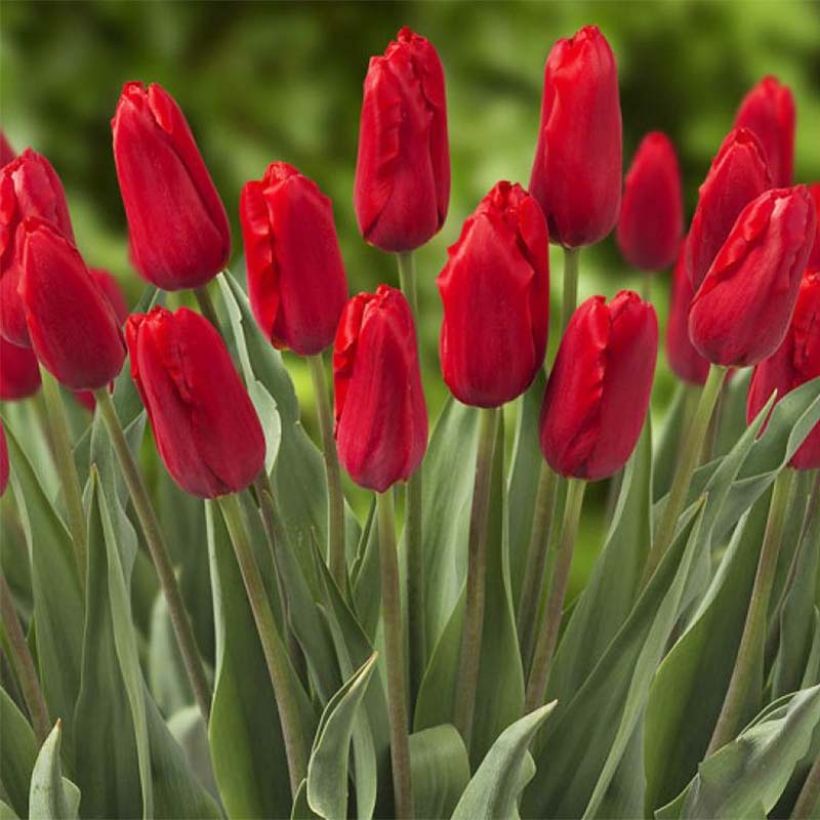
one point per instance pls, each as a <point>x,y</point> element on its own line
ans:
<point>795,362</point>
<point>402,186</point>
<point>576,174</point>
<point>4,461</point>
<point>814,257</point>
<point>495,290</point>
<point>768,111</point>
<point>29,187</point>
<point>742,310</point>
<point>651,221</point>
<point>205,426</point>
<point>7,153</point>
<point>739,173</point>
<point>73,328</point>
<point>19,372</point>
<point>296,276</point>
<point>178,228</point>
<point>381,416</point>
<point>686,363</point>
<point>598,392</point>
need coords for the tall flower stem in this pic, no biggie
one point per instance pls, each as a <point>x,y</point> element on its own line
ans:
<point>155,539</point>
<point>335,496</point>
<point>66,470</point>
<point>273,647</point>
<point>206,305</point>
<point>416,626</point>
<point>752,641</point>
<point>23,664</point>
<point>394,657</point>
<point>548,632</point>
<point>470,655</point>
<point>570,297</point>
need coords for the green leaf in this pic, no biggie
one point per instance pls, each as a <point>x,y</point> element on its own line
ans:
<point>301,810</point>
<point>668,442</point>
<point>18,751</point>
<point>496,787</point>
<point>7,812</point>
<point>440,770</point>
<point>52,796</point>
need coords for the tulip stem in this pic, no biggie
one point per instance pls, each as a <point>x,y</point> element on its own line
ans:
<point>335,497</point>
<point>66,470</point>
<point>570,296</point>
<point>808,801</point>
<point>548,632</point>
<point>273,648</point>
<point>469,658</point>
<point>646,287</point>
<point>206,305</point>
<point>752,641</point>
<point>689,458</point>
<point>23,664</point>
<point>158,549</point>
<point>397,707</point>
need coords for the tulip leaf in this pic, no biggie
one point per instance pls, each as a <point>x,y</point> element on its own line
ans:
<point>7,812</point>
<point>440,770</point>
<point>18,751</point>
<point>51,795</point>
<point>364,575</point>
<point>667,443</point>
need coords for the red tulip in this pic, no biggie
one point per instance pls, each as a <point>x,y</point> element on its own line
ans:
<point>651,221</point>
<point>7,153</point>
<point>402,183</point>
<point>598,392</point>
<point>495,290</point>
<point>73,328</point>
<point>814,257</point>
<point>742,310</point>
<point>178,228</point>
<point>205,426</point>
<point>795,362</point>
<point>381,417</point>
<point>296,276</point>
<point>4,461</point>
<point>768,111</point>
<point>739,173</point>
<point>29,187</point>
<point>576,174</point>
<point>19,371</point>
<point>685,361</point>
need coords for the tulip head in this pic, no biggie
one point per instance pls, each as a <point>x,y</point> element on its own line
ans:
<point>814,256</point>
<point>651,221</point>
<point>205,426</point>
<point>495,291</point>
<point>402,185</point>
<point>178,229</point>
<point>686,363</point>
<point>296,276</point>
<point>742,310</point>
<point>576,174</point>
<point>598,392</point>
<point>19,372</point>
<point>381,416</point>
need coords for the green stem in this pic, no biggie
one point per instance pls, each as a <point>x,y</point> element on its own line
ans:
<point>206,305</point>
<point>23,664</point>
<point>808,801</point>
<point>646,287</point>
<point>752,642</point>
<point>66,470</point>
<point>407,280</point>
<point>570,300</point>
<point>272,646</point>
<point>155,539</point>
<point>394,657</point>
<point>548,634</point>
<point>689,459</point>
<point>470,655</point>
<point>335,496</point>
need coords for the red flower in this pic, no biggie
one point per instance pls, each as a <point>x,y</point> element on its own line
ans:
<point>19,371</point>
<point>685,361</point>
<point>814,257</point>
<point>495,290</point>
<point>576,174</point>
<point>381,417</point>
<point>598,392</point>
<point>205,426</point>
<point>651,221</point>
<point>178,228</point>
<point>402,183</point>
<point>296,276</point>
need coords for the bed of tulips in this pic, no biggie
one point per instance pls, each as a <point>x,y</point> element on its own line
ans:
<point>228,638</point>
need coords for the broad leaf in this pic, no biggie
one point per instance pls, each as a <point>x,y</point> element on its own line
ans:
<point>51,795</point>
<point>440,769</point>
<point>18,751</point>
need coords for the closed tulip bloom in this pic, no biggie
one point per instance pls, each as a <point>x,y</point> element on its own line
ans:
<point>296,276</point>
<point>739,173</point>
<point>29,187</point>
<point>402,185</point>
<point>576,174</point>
<point>742,310</point>
<point>795,362</point>
<point>4,461</point>
<point>178,228</point>
<point>7,153</point>
<point>651,221</point>
<point>381,416</point>
<point>73,328</point>
<point>814,257</point>
<point>205,426</point>
<point>495,290</point>
<point>768,111</point>
<point>19,372</point>
<point>598,392</point>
